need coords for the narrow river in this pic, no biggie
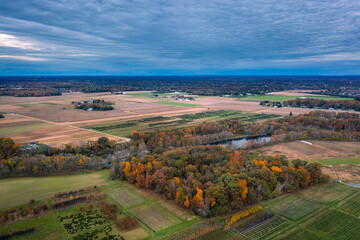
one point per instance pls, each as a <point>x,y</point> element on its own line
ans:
<point>245,142</point>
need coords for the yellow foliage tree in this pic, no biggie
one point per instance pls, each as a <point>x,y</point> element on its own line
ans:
<point>127,169</point>
<point>187,202</point>
<point>243,184</point>
<point>275,169</point>
<point>198,198</point>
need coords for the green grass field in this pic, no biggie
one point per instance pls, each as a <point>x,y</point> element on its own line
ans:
<point>16,191</point>
<point>181,104</point>
<point>25,128</point>
<point>281,98</point>
<point>338,161</point>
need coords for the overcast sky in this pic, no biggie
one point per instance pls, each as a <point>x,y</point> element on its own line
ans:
<point>126,37</point>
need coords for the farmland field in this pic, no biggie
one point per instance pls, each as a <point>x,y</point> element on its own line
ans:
<point>293,208</point>
<point>160,123</point>
<point>21,190</point>
<point>298,234</point>
<point>149,94</point>
<point>125,197</point>
<point>282,98</point>
<point>220,235</point>
<point>329,194</point>
<point>55,114</point>
<point>351,205</point>
<point>156,217</point>
<point>260,229</point>
<point>181,104</point>
<point>23,130</point>
<point>335,224</point>
<point>338,161</point>
<point>77,222</point>
<point>327,152</point>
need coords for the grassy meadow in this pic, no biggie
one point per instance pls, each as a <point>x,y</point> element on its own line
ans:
<point>15,191</point>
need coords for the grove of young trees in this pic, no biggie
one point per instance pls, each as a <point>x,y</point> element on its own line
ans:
<point>213,180</point>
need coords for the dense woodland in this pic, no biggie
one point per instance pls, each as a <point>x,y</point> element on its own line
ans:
<point>45,160</point>
<point>202,85</point>
<point>213,180</point>
<point>323,104</point>
<point>315,125</point>
<point>41,165</point>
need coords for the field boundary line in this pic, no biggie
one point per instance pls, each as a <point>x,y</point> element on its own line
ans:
<point>75,127</point>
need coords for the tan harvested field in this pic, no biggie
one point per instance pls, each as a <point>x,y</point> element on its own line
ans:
<point>319,150</point>
<point>23,130</point>
<point>52,120</point>
<point>343,172</point>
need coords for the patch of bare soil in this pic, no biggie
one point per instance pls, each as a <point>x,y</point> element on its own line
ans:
<point>343,172</point>
<point>318,150</point>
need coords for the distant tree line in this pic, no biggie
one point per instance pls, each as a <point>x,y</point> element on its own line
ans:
<point>29,93</point>
<point>201,85</point>
<point>323,104</point>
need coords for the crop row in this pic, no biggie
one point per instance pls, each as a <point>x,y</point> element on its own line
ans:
<point>220,234</point>
<point>352,205</point>
<point>264,228</point>
<point>294,208</point>
<point>299,233</point>
<point>336,224</point>
<point>125,197</point>
<point>154,217</point>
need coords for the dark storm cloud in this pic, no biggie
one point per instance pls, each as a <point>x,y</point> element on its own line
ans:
<point>167,37</point>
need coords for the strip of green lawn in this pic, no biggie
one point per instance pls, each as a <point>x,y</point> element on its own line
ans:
<point>177,104</point>
<point>338,161</point>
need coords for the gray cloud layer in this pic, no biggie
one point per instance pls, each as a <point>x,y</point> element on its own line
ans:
<point>176,37</point>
